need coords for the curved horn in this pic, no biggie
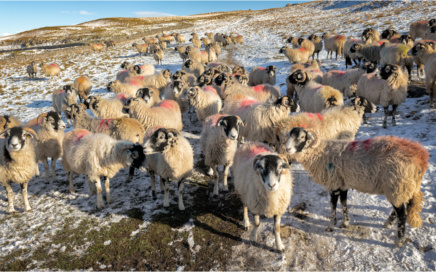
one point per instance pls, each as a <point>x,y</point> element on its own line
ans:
<point>284,100</point>
<point>240,120</point>
<point>129,104</point>
<point>39,118</point>
<point>31,131</point>
<point>2,120</point>
<point>219,120</point>
<point>83,105</point>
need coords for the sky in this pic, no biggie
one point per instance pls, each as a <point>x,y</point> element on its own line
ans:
<point>18,16</point>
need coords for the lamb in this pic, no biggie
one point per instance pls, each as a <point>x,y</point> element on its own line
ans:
<point>158,55</point>
<point>188,78</point>
<point>106,108</point>
<point>31,69</point>
<point>118,87</point>
<point>17,162</point>
<point>384,165</point>
<point>309,45</point>
<point>195,42</point>
<point>260,75</point>
<point>63,98</point>
<point>263,181</point>
<point>396,54</point>
<point>218,142</point>
<point>194,67</point>
<point>83,86</point>
<point>141,48</point>
<point>317,41</point>
<point>165,114</point>
<point>149,95</point>
<point>96,47</point>
<point>181,50</point>
<point>175,91</point>
<point>206,101</point>
<point>158,81</point>
<point>430,34</point>
<point>314,97</point>
<point>50,70</point>
<point>370,52</point>
<point>370,35</point>
<point>9,121</point>
<point>351,56</point>
<point>172,158</point>
<point>97,155</point>
<point>343,81</point>
<point>295,55</point>
<point>333,44</point>
<point>418,29</point>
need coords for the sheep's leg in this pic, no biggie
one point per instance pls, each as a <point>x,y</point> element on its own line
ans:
<point>394,111</point>
<point>91,186</point>
<point>226,174</point>
<point>334,195</point>
<point>166,183</point>
<point>108,190</point>
<point>401,216</point>
<point>217,179</point>
<point>25,198</point>
<point>365,119</point>
<point>279,244</point>
<point>70,179</point>
<point>388,223</point>
<point>54,176</point>
<point>180,186</point>
<point>45,162</point>
<point>253,235</point>
<point>8,187</point>
<point>246,222</point>
<point>343,198</point>
<point>131,174</point>
<point>386,109</point>
<point>97,184</point>
<point>153,184</point>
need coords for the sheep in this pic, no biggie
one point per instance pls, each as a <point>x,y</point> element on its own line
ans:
<point>50,130</point>
<point>165,38</point>
<point>141,48</point>
<point>150,41</point>
<point>261,75</point>
<point>426,52</point>
<point>206,101</point>
<point>131,72</point>
<point>158,55</point>
<point>163,46</point>
<point>390,89</point>
<point>175,91</point>
<point>396,54</point>
<point>239,69</point>
<point>237,39</point>
<point>389,33</point>
<point>295,55</point>
<point>209,35</point>
<point>370,35</point>
<point>158,81</point>
<point>194,67</point>
<point>242,79</point>
<point>430,34</point>
<point>351,56</point>
<point>263,180</point>
<point>218,142</point>
<point>195,35</point>
<point>293,41</point>
<point>189,78</point>
<point>309,45</point>
<point>118,87</point>
<point>96,47</point>
<point>211,55</point>
<point>220,67</point>
<point>312,70</point>
<point>165,114</point>
<point>343,81</point>
<point>83,86</point>
<point>200,56</point>
<point>314,97</point>
<point>180,38</point>
<point>63,98</point>
<point>204,80</point>
<point>50,70</point>
<point>384,165</point>
<point>9,121</point>
<point>17,162</point>
<point>149,95</point>
<point>333,44</point>
<point>205,41</point>
<point>370,51</point>
<point>317,41</point>
<point>97,155</point>
<point>31,69</point>
<point>418,60</point>
<point>109,43</point>
<point>195,42</point>
<point>172,159</point>
<point>341,123</point>
<point>217,47</point>
<point>118,128</point>
<point>137,70</point>
<point>106,108</point>
<point>418,29</point>
<point>181,50</point>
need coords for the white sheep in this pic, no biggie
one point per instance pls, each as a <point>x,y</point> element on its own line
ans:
<point>206,101</point>
<point>158,55</point>
<point>317,41</point>
<point>418,29</point>
<point>261,75</point>
<point>343,81</point>
<point>333,44</point>
<point>295,55</point>
<point>194,67</point>
<point>106,108</point>
<point>396,54</point>
<point>351,56</point>
<point>188,78</point>
<point>50,70</point>
<point>384,165</point>
<point>181,50</point>
<point>158,81</point>
<point>175,91</point>
<point>141,48</point>
<point>370,35</point>
<point>263,180</point>
<point>308,44</point>
<point>119,87</point>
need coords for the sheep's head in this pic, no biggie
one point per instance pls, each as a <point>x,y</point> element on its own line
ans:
<point>290,39</point>
<point>167,73</point>
<point>282,50</point>
<point>389,70</point>
<point>406,39</point>
<point>325,35</point>
<point>188,63</point>
<point>125,64</point>
<point>271,70</point>
<point>160,140</point>
<point>239,70</point>
<point>178,86</point>
<point>192,92</point>
<point>221,79</point>
<point>129,103</point>
<point>188,49</point>
<point>138,156</point>
<point>241,78</point>
<point>363,103</point>
<point>270,168</point>
<point>299,77</point>
<point>51,120</point>
<point>299,140</point>
<point>287,102</point>
<point>178,75</point>
<point>370,67</point>
<point>109,86</point>
<point>367,33</point>
<point>432,22</point>
<point>146,94</point>
<point>68,88</point>
<point>91,102</point>
<point>231,125</point>
<point>17,137</point>
<point>204,79</point>
<point>300,41</point>
<point>75,110</point>
<point>3,123</point>
<point>388,33</point>
<point>312,37</point>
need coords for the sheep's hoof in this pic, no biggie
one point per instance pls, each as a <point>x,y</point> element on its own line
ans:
<point>400,241</point>
<point>11,211</point>
<point>28,209</point>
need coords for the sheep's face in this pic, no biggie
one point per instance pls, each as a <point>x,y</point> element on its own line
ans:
<point>138,156</point>
<point>137,69</point>
<point>406,39</point>
<point>16,139</point>
<point>68,88</point>
<point>389,70</point>
<point>312,37</point>
<point>290,39</point>
<point>91,102</point>
<point>167,74</point>
<point>421,49</point>
<point>230,125</point>
<point>204,80</point>
<point>355,47</point>
<point>387,34</point>
<point>239,70</point>
<point>370,67</point>
<point>363,103</point>
<point>109,86</point>
<point>178,75</point>
<point>300,41</point>
<point>298,77</point>
<point>241,78</point>
<point>270,168</point>
<point>282,50</point>
<point>178,86</point>
<point>431,22</point>
<point>299,139</point>
<point>367,33</point>
<point>221,79</point>
<point>75,110</point>
<point>53,121</point>
<point>125,64</point>
<point>191,93</point>
<point>160,140</point>
<point>288,102</point>
<point>188,63</point>
<point>271,70</point>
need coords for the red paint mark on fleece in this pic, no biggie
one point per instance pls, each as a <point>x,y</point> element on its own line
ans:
<point>423,22</point>
<point>135,82</point>
<point>54,65</point>
<point>97,44</point>
<point>167,36</point>
<point>122,97</point>
<point>61,91</point>
<point>302,49</point>
<point>167,104</point>
<point>316,71</point>
<point>104,123</point>
<point>215,118</point>
<point>259,88</point>
<point>256,150</point>
<point>317,88</point>
<point>380,42</point>
<point>337,72</point>
<point>366,144</point>
<point>210,89</point>
<point>247,103</point>
<point>261,68</point>
<point>203,52</point>
<point>353,146</point>
<point>315,115</point>
<point>80,134</point>
<point>355,40</point>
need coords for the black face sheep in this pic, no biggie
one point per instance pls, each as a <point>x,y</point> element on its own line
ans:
<point>17,162</point>
<point>344,81</point>
<point>174,92</point>
<point>63,98</point>
<point>149,95</point>
<point>31,69</point>
<point>370,51</point>
<point>293,41</point>
<point>194,67</point>
<point>417,29</point>
<point>389,33</point>
<point>9,121</point>
<point>351,56</point>
<point>261,75</point>
<point>106,108</point>
<point>396,54</point>
<point>263,180</point>
<point>430,34</point>
<point>158,81</point>
<point>205,100</point>
<point>173,160</point>
<point>317,41</point>
<point>384,165</point>
<point>189,78</point>
<point>158,55</point>
<point>370,35</point>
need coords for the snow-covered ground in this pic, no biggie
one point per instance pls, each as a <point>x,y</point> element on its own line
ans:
<point>365,245</point>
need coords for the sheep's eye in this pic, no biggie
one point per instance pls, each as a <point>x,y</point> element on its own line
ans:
<point>287,102</point>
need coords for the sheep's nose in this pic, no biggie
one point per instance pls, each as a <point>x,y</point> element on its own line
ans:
<point>14,145</point>
<point>233,137</point>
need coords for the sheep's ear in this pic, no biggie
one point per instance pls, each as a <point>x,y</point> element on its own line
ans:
<point>4,134</point>
<point>310,138</point>
<point>432,45</point>
<point>258,163</point>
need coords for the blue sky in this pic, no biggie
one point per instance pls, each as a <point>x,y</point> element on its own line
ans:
<point>18,16</point>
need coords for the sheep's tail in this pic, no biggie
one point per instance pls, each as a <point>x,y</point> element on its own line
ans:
<point>414,208</point>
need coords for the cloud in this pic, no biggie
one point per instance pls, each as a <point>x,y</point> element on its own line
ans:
<point>152,14</point>
<point>84,12</point>
<point>6,34</point>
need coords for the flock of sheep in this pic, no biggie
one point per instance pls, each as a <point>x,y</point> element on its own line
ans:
<point>247,124</point>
